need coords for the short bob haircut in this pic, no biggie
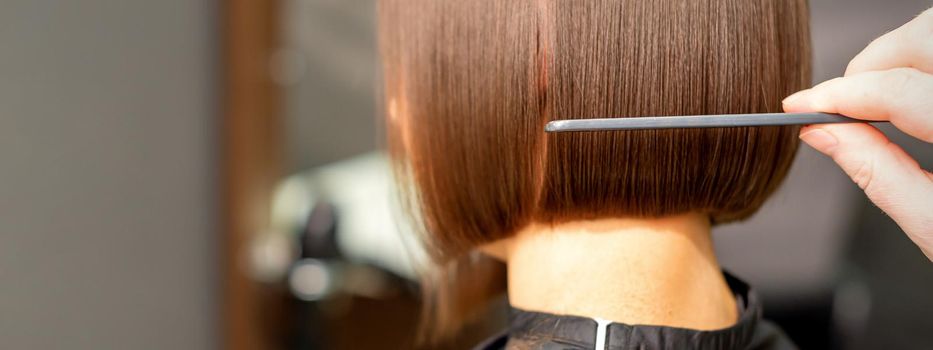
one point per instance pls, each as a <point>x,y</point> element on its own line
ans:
<point>470,84</point>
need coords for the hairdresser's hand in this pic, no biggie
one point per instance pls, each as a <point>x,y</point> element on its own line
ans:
<point>891,79</point>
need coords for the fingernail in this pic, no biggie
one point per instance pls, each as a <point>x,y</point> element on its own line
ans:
<point>796,101</point>
<point>820,140</point>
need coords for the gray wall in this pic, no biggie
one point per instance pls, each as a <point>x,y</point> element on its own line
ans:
<point>107,216</point>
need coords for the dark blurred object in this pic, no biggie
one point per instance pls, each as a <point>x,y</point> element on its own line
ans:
<point>320,234</point>
<point>325,287</point>
<point>311,278</point>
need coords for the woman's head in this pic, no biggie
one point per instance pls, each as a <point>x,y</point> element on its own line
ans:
<point>471,85</point>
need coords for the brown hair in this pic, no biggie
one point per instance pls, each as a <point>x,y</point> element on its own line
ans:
<point>469,86</point>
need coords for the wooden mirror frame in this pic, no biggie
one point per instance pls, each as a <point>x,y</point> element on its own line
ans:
<point>251,162</point>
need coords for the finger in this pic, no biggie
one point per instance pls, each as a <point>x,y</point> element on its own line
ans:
<point>911,45</point>
<point>889,176</point>
<point>903,96</point>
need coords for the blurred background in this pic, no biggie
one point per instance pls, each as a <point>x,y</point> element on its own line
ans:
<point>195,174</point>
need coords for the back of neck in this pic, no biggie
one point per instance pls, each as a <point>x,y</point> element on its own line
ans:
<point>633,271</point>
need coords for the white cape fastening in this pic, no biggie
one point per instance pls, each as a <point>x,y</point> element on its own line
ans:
<point>601,325</point>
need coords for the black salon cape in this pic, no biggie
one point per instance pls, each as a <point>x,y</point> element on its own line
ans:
<point>552,332</point>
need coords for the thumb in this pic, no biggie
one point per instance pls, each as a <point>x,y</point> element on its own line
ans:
<point>893,180</point>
